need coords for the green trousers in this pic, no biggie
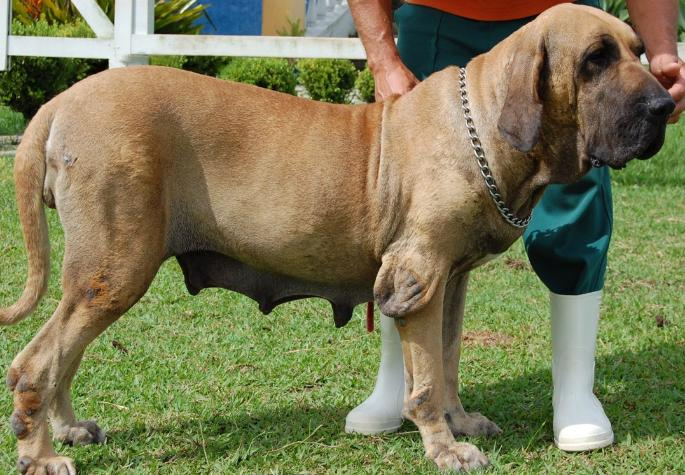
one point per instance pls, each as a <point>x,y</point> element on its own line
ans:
<point>568,237</point>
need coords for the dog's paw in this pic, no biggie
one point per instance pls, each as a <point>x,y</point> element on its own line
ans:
<point>458,456</point>
<point>471,424</point>
<point>46,465</point>
<point>81,433</point>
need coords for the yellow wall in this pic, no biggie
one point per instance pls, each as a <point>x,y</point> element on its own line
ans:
<point>275,15</point>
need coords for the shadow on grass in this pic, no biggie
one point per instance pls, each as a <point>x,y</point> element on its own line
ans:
<point>643,394</point>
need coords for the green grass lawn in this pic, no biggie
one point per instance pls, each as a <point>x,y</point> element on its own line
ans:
<point>207,384</point>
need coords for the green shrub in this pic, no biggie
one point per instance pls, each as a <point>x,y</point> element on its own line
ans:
<point>11,123</point>
<point>168,61</point>
<point>208,65</point>
<point>328,80</point>
<point>32,81</point>
<point>365,85</point>
<point>271,73</point>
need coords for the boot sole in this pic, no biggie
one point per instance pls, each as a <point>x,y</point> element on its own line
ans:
<point>584,445</point>
<point>373,428</point>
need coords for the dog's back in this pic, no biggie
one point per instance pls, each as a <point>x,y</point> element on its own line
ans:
<point>222,156</point>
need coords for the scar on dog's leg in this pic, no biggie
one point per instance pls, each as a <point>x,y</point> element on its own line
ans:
<point>65,427</point>
<point>421,337</point>
<point>460,422</point>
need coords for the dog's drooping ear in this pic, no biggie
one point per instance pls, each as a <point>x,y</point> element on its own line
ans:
<point>521,116</point>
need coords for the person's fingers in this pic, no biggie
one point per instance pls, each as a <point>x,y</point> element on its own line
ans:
<point>670,69</point>
<point>677,92</point>
<point>397,81</point>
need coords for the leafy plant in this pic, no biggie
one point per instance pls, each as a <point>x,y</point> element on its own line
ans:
<point>271,73</point>
<point>619,9</point>
<point>294,28</point>
<point>32,81</point>
<point>365,85</point>
<point>171,16</point>
<point>328,80</point>
<point>53,11</point>
<point>179,16</point>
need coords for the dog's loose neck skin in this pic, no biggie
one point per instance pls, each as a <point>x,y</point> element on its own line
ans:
<point>528,173</point>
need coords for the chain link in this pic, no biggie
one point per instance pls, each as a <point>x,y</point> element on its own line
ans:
<point>477,146</point>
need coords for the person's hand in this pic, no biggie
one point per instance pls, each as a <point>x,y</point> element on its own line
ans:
<point>670,72</point>
<point>393,78</point>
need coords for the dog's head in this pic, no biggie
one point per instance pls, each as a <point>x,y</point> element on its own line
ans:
<point>576,84</point>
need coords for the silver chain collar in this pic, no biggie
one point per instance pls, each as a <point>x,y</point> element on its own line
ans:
<point>506,213</point>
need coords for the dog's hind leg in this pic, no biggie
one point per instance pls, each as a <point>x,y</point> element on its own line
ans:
<point>107,268</point>
<point>65,427</point>
<point>41,374</point>
<point>460,422</point>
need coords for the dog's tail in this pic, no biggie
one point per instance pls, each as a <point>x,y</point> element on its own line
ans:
<point>29,176</point>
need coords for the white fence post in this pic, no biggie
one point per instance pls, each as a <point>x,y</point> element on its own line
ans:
<point>97,19</point>
<point>144,17</point>
<point>5,25</point>
<point>125,24</point>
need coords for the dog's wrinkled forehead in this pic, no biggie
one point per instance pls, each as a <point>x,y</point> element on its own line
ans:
<point>573,29</point>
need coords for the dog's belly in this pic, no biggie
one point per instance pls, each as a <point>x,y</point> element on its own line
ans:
<point>203,269</point>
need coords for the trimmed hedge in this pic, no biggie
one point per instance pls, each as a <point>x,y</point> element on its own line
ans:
<point>365,85</point>
<point>271,73</point>
<point>33,81</point>
<point>207,65</point>
<point>328,80</point>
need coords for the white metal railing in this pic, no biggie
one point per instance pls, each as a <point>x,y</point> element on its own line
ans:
<point>131,39</point>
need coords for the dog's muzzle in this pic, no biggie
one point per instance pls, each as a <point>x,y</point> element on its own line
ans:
<point>658,110</point>
<point>639,135</point>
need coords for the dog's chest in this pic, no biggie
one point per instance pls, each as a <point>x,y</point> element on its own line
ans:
<point>485,247</point>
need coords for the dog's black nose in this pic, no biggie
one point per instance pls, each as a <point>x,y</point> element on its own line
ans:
<point>660,106</point>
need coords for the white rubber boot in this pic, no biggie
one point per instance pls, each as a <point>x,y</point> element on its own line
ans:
<point>382,411</point>
<point>579,420</point>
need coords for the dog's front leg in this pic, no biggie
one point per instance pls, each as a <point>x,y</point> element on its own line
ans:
<point>460,422</point>
<point>421,334</point>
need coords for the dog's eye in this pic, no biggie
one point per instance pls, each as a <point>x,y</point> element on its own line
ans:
<point>598,58</point>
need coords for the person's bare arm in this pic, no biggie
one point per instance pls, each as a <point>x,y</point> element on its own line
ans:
<point>657,23</point>
<point>373,21</point>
